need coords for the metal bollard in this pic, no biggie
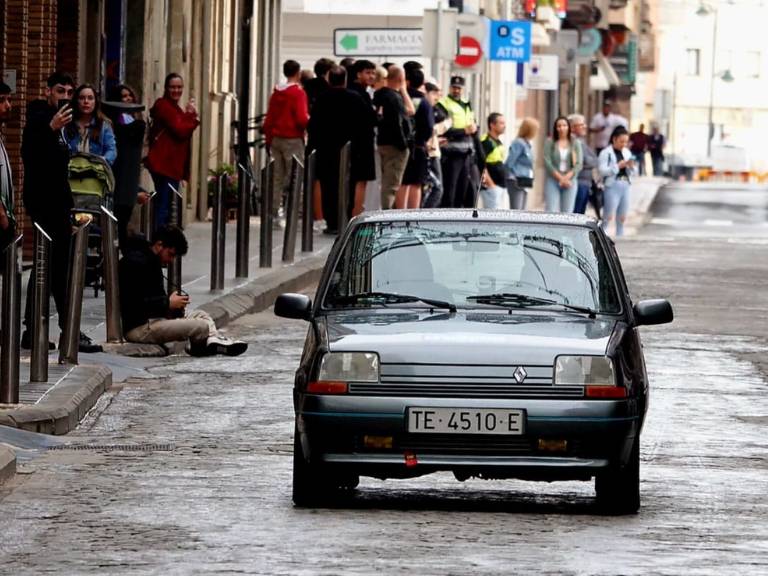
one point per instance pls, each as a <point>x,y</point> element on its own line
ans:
<point>11,325</point>
<point>218,235</point>
<point>38,370</point>
<point>112,291</point>
<point>292,210</point>
<point>243,222</point>
<point>174,269</point>
<point>146,218</point>
<point>265,244</point>
<point>344,168</point>
<point>70,342</point>
<point>307,232</point>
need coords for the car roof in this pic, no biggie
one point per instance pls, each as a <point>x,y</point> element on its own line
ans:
<point>475,215</point>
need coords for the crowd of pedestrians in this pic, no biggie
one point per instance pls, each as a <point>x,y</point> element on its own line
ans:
<point>70,121</point>
<point>425,149</point>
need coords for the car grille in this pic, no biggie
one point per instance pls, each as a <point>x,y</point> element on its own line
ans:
<point>465,444</point>
<point>464,381</point>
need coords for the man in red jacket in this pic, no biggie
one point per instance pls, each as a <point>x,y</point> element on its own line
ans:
<point>284,127</point>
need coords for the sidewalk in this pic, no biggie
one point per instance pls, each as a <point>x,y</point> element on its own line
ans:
<point>56,407</point>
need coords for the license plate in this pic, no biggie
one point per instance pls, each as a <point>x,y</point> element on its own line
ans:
<point>465,421</point>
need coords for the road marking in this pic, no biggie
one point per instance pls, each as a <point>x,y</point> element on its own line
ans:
<point>665,222</point>
<point>718,222</point>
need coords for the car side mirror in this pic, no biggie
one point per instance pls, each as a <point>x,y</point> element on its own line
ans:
<point>650,312</point>
<point>296,306</point>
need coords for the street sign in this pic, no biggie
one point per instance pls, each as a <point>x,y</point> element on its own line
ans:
<point>510,41</point>
<point>542,72</point>
<point>473,35</point>
<point>470,52</point>
<point>377,42</point>
<point>439,34</point>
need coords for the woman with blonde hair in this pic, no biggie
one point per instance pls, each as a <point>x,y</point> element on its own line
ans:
<point>520,163</point>
<point>563,161</point>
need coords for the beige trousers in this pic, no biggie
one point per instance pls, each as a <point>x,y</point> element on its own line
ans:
<point>393,161</point>
<point>283,150</point>
<point>196,327</point>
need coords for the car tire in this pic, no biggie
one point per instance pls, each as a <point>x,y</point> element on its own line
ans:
<point>313,485</point>
<point>618,488</point>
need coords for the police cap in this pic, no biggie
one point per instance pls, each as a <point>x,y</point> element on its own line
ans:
<point>457,81</point>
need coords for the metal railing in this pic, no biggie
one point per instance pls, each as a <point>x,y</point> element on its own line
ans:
<point>292,210</point>
<point>41,298</point>
<point>218,235</point>
<point>111,281</point>
<point>243,221</point>
<point>70,342</point>
<point>265,244</point>
<point>11,325</point>
<point>307,205</point>
<point>174,269</point>
<point>345,159</point>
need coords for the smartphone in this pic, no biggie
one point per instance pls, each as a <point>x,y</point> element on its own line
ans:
<point>62,103</point>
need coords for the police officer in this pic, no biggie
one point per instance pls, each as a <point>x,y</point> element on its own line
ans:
<point>457,148</point>
<point>495,174</point>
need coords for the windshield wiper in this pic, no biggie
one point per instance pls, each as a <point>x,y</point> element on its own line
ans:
<point>524,301</point>
<point>392,298</point>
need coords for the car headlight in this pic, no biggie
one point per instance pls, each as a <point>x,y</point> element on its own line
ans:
<point>584,371</point>
<point>349,367</point>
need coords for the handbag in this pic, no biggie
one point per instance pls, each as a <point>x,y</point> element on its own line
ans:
<point>524,181</point>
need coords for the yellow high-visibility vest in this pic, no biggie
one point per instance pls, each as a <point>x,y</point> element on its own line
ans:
<point>461,112</point>
<point>497,155</point>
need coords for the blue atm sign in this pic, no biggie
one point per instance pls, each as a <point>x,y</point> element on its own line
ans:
<point>510,41</point>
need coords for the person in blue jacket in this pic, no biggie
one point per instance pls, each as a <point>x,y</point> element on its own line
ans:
<point>90,131</point>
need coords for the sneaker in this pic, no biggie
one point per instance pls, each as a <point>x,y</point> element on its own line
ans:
<point>330,232</point>
<point>26,341</point>
<point>197,349</point>
<point>225,346</point>
<point>86,345</point>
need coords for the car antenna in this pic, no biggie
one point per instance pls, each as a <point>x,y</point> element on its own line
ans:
<point>474,213</point>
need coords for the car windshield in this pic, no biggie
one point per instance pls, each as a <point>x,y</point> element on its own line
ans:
<point>473,264</point>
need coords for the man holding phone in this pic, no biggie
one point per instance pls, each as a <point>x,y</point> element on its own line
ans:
<point>47,195</point>
<point>150,315</point>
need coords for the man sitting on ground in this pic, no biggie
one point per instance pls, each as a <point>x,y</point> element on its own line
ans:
<point>150,316</point>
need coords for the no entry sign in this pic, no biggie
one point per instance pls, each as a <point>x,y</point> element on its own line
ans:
<point>470,52</point>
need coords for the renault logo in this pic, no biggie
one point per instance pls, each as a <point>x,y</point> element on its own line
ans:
<point>519,374</point>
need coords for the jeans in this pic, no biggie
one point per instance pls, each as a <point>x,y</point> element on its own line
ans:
<point>492,197</point>
<point>640,163</point>
<point>518,196</point>
<point>616,205</point>
<point>658,165</point>
<point>557,199</point>
<point>162,200</point>
<point>582,197</point>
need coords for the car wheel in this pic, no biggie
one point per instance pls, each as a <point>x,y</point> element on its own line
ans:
<point>618,489</point>
<point>315,486</point>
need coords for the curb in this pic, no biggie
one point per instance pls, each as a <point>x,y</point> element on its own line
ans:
<point>260,294</point>
<point>7,463</point>
<point>65,405</point>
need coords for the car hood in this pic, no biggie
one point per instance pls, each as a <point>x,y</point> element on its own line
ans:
<point>468,337</point>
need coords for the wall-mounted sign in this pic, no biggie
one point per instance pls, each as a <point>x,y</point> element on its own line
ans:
<point>510,40</point>
<point>377,42</point>
<point>542,72</point>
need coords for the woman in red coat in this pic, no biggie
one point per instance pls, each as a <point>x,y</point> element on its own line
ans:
<point>169,144</point>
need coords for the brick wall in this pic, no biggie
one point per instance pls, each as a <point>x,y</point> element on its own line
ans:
<point>38,37</point>
<point>16,57</point>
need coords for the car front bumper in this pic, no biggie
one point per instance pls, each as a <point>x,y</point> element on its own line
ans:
<point>588,436</point>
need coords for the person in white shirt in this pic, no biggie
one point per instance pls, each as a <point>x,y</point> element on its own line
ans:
<point>616,167</point>
<point>603,124</point>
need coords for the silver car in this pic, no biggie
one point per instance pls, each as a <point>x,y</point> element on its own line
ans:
<point>492,344</point>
